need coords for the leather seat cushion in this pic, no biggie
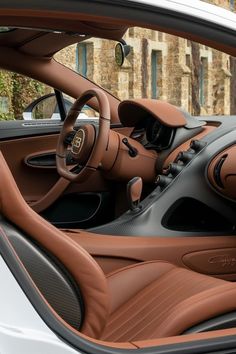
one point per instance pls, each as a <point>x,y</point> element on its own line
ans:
<point>157,299</point>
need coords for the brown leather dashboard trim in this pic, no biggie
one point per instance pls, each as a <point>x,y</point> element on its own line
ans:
<point>132,111</point>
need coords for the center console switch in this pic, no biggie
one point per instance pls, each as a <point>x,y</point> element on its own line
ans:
<point>182,159</point>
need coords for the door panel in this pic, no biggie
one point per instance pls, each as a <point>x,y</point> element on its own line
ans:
<point>59,201</point>
<point>21,141</point>
<point>33,183</point>
<point>29,148</point>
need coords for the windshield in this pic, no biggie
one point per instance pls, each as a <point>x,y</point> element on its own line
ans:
<point>159,66</point>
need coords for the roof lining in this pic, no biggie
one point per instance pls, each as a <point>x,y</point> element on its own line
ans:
<point>69,23</point>
<point>45,43</point>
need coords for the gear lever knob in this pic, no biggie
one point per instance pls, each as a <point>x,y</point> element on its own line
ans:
<point>134,191</point>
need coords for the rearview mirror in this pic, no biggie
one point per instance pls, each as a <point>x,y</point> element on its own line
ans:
<point>121,52</point>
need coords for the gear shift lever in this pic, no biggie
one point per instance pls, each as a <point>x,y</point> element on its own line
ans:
<point>134,191</point>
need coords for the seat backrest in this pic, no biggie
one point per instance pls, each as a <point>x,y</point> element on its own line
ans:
<point>69,265</point>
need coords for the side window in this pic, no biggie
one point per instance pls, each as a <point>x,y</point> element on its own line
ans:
<point>87,112</point>
<point>44,107</point>
<point>17,94</point>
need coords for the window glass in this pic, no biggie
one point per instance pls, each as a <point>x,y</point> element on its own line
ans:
<point>160,66</point>
<point>22,98</point>
<point>45,109</point>
<point>17,92</point>
<point>193,76</point>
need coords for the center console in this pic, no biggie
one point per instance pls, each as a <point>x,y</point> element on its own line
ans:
<point>194,195</point>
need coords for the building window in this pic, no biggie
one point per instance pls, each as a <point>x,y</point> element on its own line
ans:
<point>131,32</point>
<point>160,36</point>
<point>202,81</point>
<point>81,59</point>
<point>188,60</point>
<point>155,63</point>
<point>232,5</point>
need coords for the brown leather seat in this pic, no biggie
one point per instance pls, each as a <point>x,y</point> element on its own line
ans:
<point>143,301</point>
<point>157,299</point>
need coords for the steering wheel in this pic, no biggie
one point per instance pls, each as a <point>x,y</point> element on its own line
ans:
<point>84,147</point>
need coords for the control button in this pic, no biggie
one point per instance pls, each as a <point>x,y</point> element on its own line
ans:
<point>184,156</point>
<point>162,181</point>
<point>69,137</point>
<point>174,169</point>
<point>197,145</point>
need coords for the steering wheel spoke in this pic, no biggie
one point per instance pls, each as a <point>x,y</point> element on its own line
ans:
<point>70,161</point>
<point>69,137</point>
<point>77,169</point>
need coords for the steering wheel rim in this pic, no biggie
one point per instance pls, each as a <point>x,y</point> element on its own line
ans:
<point>79,139</point>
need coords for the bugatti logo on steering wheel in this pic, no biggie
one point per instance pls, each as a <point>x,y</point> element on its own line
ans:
<point>78,141</point>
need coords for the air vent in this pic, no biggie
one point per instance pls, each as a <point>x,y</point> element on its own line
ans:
<point>217,171</point>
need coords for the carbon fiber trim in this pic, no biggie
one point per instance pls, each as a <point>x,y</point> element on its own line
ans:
<point>54,282</point>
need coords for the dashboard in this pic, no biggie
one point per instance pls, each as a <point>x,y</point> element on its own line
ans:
<point>157,125</point>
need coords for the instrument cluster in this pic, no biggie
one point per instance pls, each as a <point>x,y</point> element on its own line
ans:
<point>152,134</point>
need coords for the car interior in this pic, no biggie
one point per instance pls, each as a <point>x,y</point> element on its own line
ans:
<point>125,225</point>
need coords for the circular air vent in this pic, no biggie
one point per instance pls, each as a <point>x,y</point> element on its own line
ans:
<point>222,172</point>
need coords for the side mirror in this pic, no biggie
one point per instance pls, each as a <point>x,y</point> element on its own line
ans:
<point>45,107</point>
<point>41,108</point>
<point>121,52</point>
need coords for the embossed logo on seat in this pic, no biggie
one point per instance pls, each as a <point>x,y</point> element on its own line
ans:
<point>224,260</point>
